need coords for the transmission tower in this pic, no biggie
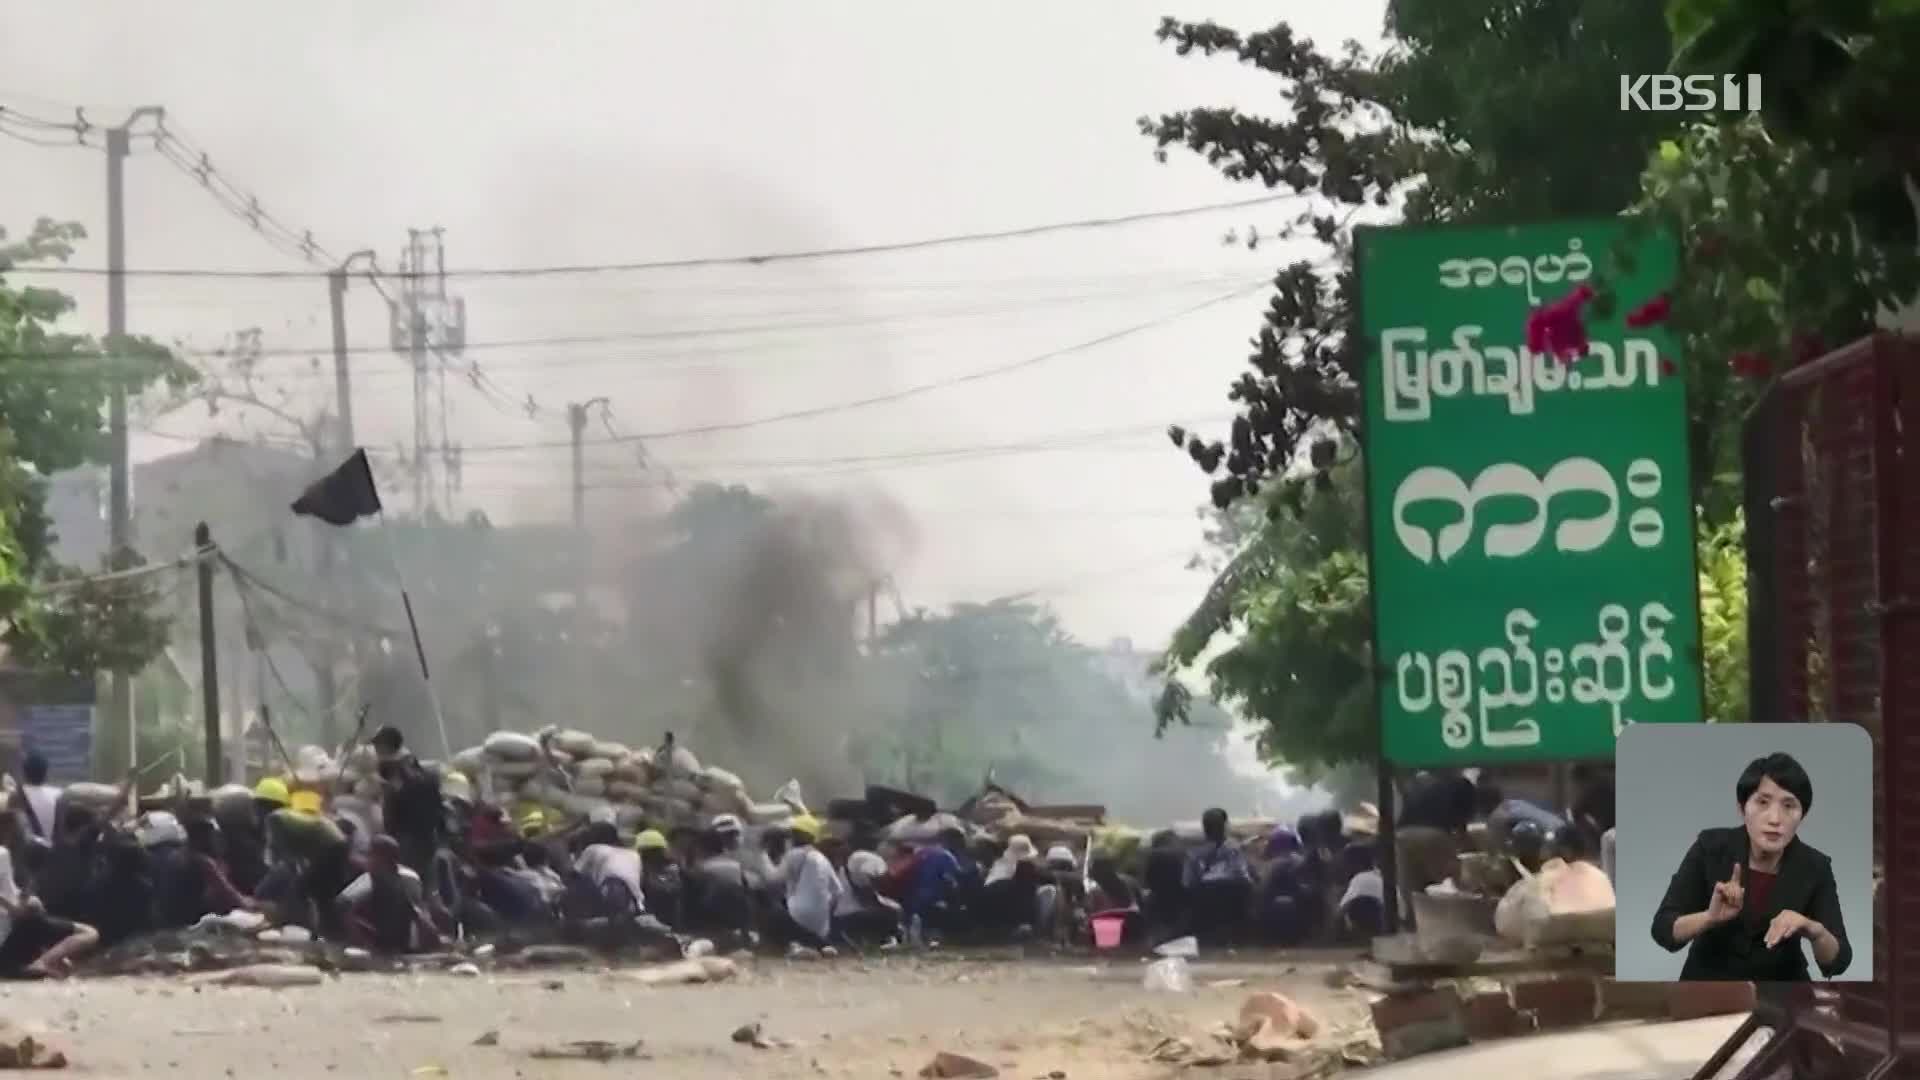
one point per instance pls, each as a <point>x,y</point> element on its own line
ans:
<point>429,328</point>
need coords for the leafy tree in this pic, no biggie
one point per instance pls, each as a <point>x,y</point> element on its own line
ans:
<point>54,388</point>
<point>1838,77</point>
<point>1483,111</point>
<point>1293,606</point>
<point>1000,690</point>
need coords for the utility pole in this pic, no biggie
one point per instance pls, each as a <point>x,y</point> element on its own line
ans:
<point>119,493</point>
<point>577,422</point>
<point>329,541</point>
<point>209,658</point>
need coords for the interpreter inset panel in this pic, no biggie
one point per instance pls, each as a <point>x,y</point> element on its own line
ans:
<point>1744,853</point>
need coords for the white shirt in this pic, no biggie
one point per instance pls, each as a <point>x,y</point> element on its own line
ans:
<point>812,889</point>
<point>602,863</point>
<point>1366,885</point>
<point>9,891</point>
<point>362,887</point>
<point>45,800</point>
<point>863,869</point>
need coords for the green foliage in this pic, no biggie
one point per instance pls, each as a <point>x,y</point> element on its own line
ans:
<point>1293,605</point>
<point>1484,110</point>
<point>54,387</point>
<point>1771,266</point>
<point>1839,76</point>
<point>1723,620</point>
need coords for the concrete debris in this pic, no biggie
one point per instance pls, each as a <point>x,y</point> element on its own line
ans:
<point>706,969</point>
<point>587,1050</point>
<point>274,976</point>
<point>488,1038</point>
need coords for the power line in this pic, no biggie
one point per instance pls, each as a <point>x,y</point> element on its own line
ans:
<point>78,369</point>
<point>734,260</point>
<point>916,390</point>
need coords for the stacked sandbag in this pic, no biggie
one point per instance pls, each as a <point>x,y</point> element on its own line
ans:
<point>578,776</point>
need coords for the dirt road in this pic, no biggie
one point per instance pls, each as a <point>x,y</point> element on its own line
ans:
<point>844,1018</point>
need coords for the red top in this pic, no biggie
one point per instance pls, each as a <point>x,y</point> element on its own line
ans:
<point>1759,886</point>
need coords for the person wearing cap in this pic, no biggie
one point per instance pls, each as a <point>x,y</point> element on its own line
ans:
<point>314,857</point>
<point>719,898</point>
<point>412,810</point>
<point>660,879</point>
<point>1010,897</point>
<point>812,887</point>
<point>862,914</point>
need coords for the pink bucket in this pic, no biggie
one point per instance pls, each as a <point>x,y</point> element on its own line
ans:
<point>1108,930</point>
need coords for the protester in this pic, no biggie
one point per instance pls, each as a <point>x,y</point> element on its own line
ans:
<point>661,884</point>
<point>1112,893</point>
<point>37,801</point>
<point>610,876</point>
<point>412,810</point>
<point>812,888</point>
<point>384,908</point>
<point>936,886</point>
<point>1009,898</point>
<point>862,915</point>
<point>314,861</point>
<point>1289,907</point>
<point>719,899</point>
<point>1166,888</point>
<point>1363,908</point>
<point>33,944</point>
<point>1430,830</point>
<point>1218,881</point>
<point>210,885</point>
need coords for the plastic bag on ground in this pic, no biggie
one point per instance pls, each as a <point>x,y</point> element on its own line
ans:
<point>1562,902</point>
<point>1185,948</point>
<point>1169,975</point>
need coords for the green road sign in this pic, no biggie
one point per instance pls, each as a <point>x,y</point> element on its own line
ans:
<point>1530,518</point>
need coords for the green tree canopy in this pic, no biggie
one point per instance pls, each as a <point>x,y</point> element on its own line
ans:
<point>54,388</point>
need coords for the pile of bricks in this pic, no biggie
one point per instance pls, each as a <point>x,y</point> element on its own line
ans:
<point>1440,1017</point>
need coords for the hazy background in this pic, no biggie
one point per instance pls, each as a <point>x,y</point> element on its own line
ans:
<point>594,132</point>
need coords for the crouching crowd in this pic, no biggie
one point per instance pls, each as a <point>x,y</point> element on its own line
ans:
<point>436,864</point>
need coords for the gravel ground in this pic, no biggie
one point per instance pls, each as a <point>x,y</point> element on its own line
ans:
<point>844,1018</point>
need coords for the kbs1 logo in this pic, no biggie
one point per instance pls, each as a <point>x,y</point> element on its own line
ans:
<point>1691,93</point>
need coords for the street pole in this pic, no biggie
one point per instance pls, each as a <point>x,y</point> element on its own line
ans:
<point>119,495</point>
<point>330,542</point>
<point>577,422</point>
<point>342,385</point>
<point>209,659</point>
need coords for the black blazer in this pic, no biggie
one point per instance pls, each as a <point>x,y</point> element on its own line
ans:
<point>1736,951</point>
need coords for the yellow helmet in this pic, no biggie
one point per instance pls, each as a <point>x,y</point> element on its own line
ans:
<point>532,823</point>
<point>271,789</point>
<point>307,802</point>
<point>806,825</point>
<point>650,840</point>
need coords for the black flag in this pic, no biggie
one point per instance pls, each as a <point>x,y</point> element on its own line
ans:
<point>343,496</point>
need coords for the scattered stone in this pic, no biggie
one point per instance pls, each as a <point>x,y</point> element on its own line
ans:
<point>550,956</point>
<point>587,1050</point>
<point>751,1035</point>
<point>706,969</point>
<point>554,984</point>
<point>1285,1015</point>
<point>20,1050</point>
<point>488,1038</point>
<point>946,1066</point>
<point>407,1018</point>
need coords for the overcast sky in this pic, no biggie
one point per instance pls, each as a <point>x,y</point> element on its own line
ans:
<point>597,132</point>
